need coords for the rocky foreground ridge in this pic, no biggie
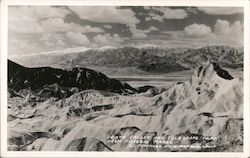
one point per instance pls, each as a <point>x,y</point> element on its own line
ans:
<point>207,109</point>
<point>46,82</point>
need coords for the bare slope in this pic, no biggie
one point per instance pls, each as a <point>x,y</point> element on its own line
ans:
<point>49,82</point>
<point>205,107</point>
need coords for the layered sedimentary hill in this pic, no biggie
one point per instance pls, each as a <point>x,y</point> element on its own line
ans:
<point>207,110</point>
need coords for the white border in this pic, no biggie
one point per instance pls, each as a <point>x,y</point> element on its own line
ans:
<point>3,58</point>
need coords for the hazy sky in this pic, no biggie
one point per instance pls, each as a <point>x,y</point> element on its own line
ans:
<point>34,29</point>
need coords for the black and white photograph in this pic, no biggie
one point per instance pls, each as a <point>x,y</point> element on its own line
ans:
<point>125,78</point>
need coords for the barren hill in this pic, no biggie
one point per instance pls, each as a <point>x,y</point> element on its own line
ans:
<point>207,109</point>
<point>50,82</point>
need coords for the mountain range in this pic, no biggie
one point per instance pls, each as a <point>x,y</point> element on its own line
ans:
<point>142,60</point>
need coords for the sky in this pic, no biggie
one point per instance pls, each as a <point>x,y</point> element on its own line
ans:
<point>35,29</point>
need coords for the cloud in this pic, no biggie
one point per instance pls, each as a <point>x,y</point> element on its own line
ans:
<point>147,7</point>
<point>168,13</point>
<point>19,46</point>
<point>106,14</point>
<point>58,25</point>
<point>179,39</point>
<point>152,28</point>
<point>191,10</point>
<point>141,34</point>
<point>25,19</point>
<point>89,28</point>
<point>60,43</point>
<point>56,38</point>
<point>31,25</point>
<point>221,10</point>
<point>37,12</point>
<point>237,28</point>
<point>148,18</point>
<point>174,13</point>
<point>35,29</point>
<point>138,33</point>
<point>110,15</point>
<point>49,44</point>
<point>107,39</point>
<point>223,34</point>
<point>51,36</point>
<point>155,17</point>
<point>230,34</point>
<point>77,38</point>
<point>24,25</point>
<point>197,30</point>
<point>107,26</point>
<point>43,19</point>
<point>224,27</point>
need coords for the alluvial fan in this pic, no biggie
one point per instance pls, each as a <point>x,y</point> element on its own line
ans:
<point>202,114</point>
